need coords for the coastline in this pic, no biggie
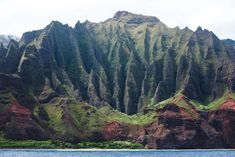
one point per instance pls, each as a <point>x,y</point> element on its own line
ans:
<point>114,150</point>
<point>118,152</point>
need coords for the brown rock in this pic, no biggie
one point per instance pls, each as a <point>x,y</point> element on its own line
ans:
<point>17,122</point>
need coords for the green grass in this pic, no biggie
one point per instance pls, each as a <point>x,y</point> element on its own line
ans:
<point>91,118</point>
<point>87,117</point>
<point>84,120</point>
<point>164,102</point>
<point>200,106</point>
<point>7,143</point>
<point>214,104</point>
<point>55,115</point>
<point>49,144</point>
<point>110,145</point>
<point>139,119</point>
<point>5,99</point>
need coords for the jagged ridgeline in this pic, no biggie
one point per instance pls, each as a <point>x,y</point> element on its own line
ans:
<point>127,62</point>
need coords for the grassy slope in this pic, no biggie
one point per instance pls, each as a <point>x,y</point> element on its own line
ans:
<point>216,103</point>
<point>200,106</point>
<point>86,121</point>
<point>86,118</point>
<point>90,118</point>
<point>139,119</point>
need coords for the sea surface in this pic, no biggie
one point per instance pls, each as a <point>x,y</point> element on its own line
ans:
<point>114,153</point>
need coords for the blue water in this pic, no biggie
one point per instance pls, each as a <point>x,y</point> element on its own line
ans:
<point>114,153</point>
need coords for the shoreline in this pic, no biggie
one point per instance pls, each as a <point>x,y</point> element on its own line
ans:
<point>99,149</point>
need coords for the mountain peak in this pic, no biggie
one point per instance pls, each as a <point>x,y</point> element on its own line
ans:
<point>13,43</point>
<point>131,18</point>
<point>5,39</point>
<point>199,29</point>
<point>229,42</point>
<point>56,24</point>
<point>120,14</point>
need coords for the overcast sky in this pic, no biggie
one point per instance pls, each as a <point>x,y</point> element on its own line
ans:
<point>19,16</point>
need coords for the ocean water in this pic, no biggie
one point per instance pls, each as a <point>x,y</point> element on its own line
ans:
<point>114,153</point>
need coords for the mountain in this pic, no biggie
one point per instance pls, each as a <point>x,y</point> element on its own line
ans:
<point>5,39</point>
<point>229,42</point>
<point>131,59</point>
<point>75,84</point>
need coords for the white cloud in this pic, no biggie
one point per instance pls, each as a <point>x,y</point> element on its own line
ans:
<point>18,16</point>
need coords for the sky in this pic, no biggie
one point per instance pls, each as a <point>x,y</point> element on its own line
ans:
<point>19,16</point>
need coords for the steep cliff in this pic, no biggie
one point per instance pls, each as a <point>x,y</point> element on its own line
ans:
<point>129,63</point>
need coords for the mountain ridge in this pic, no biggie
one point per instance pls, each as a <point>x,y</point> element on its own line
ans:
<point>143,50</point>
<point>132,64</point>
<point>5,39</point>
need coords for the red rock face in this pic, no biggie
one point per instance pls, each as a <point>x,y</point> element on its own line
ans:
<point>223,120</point>
<point>228,105</point>
<point>115,130</point>
<point>17,123</point>
<point>112,129</point>
<point>16,108</point>
<point>177,128</point>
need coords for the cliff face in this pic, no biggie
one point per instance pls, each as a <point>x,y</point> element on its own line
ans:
<point>124,61</point>
<point>129,63</point>
<point>181,128</point>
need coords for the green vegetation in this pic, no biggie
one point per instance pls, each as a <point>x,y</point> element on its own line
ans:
<point>110,145</point>
<point>49,144</point>
<point>140,118</point>
<point>165,102</point>
<point>7,143</point>
<point>81,120</point>
<point>216,103</point>
<point>87,117</point>
<point>5,99</point>
<point>200,106</point>
<point>55,116</point>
